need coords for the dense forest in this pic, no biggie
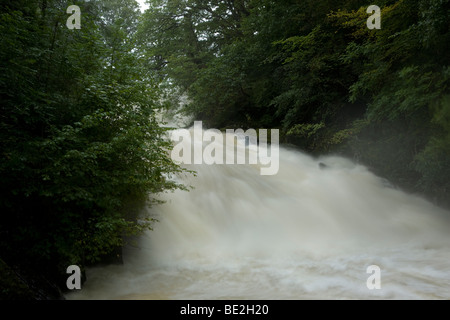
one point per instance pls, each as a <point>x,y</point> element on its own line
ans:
<point>82,152</point>
<point>80,144</point>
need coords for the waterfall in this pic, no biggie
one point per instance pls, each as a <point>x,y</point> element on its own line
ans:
<point>309,232</point>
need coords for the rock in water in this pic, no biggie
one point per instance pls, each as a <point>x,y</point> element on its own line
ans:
<point>322,166</point>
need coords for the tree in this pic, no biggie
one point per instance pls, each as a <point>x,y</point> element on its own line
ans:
<point>82,151</point>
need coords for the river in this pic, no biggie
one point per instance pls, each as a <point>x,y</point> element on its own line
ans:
<point>305,233</point>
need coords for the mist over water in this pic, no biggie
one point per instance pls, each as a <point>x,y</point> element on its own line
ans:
<point>305,233</point>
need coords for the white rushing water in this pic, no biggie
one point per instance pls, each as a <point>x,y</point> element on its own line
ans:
<point>304,233</point>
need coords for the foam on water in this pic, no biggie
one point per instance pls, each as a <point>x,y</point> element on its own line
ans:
<point>305,233</point>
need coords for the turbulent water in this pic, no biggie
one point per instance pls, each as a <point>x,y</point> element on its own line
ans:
<point>306,233</point>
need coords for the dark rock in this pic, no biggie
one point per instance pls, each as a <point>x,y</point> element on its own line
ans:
<point>323,166</point>
<point>19,284</point>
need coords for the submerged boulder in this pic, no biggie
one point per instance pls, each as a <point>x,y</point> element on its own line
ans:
<point>323,166</point>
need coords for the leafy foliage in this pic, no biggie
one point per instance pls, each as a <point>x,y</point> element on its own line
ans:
<point>82,151</point>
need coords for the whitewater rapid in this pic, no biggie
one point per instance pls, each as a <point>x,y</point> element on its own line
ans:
<point>305,233</point>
